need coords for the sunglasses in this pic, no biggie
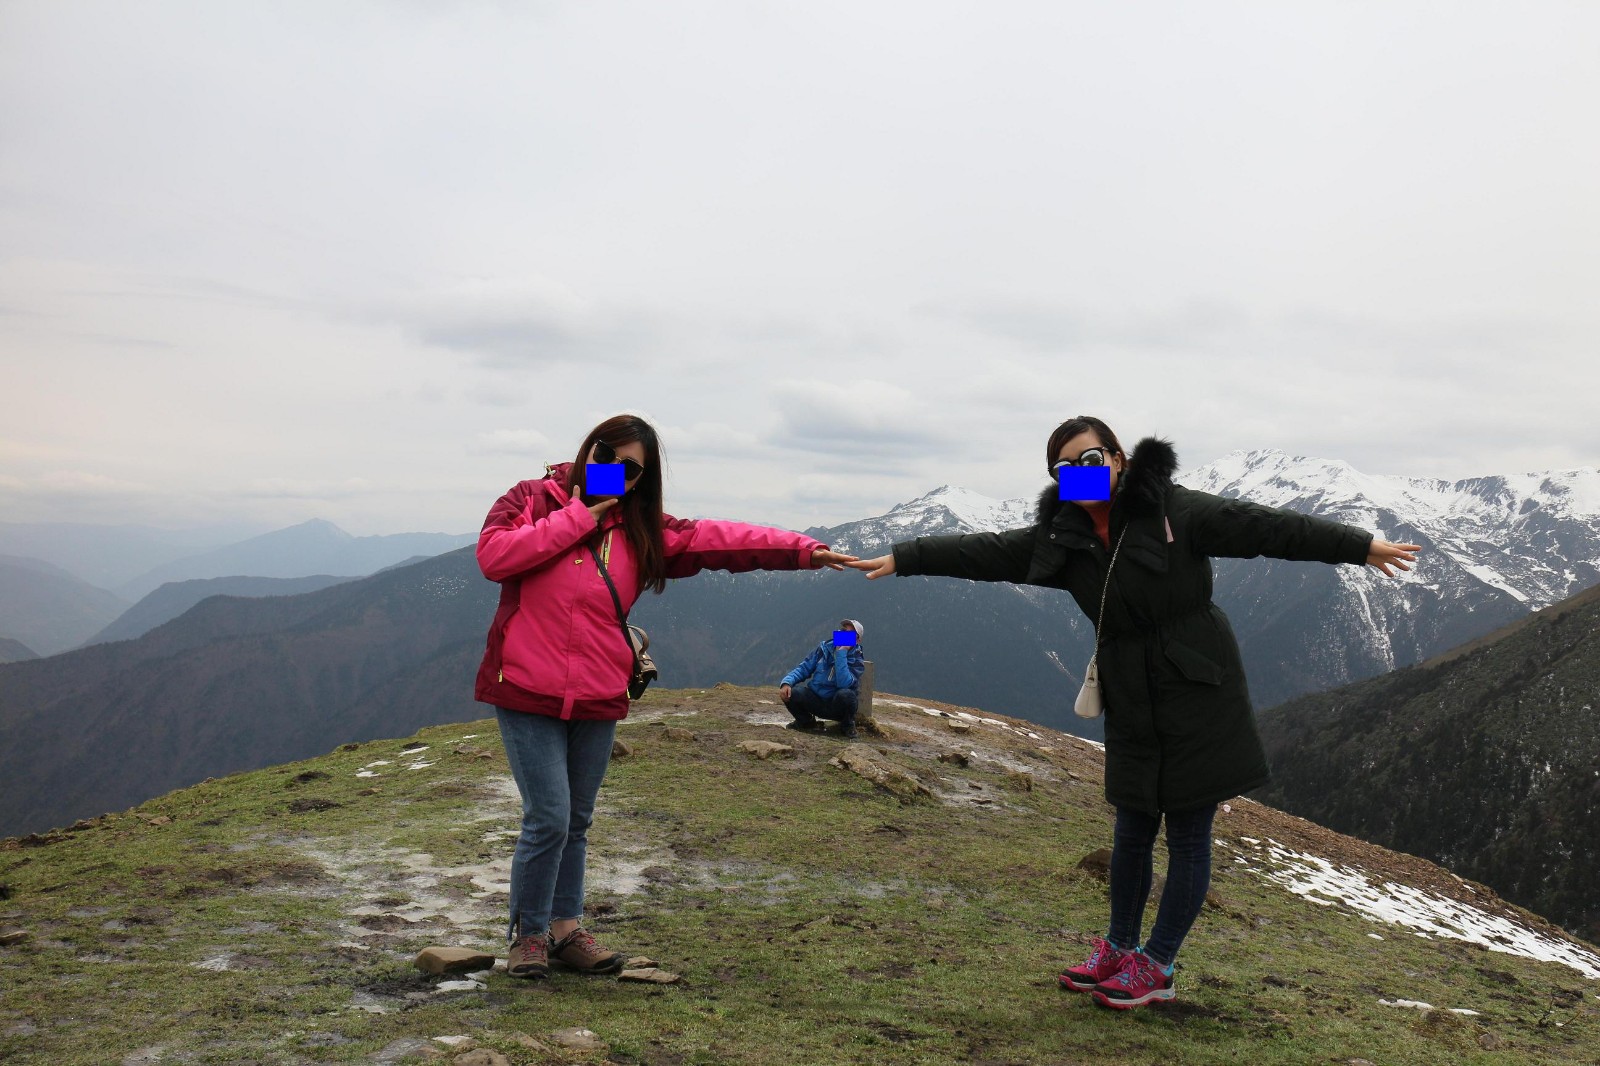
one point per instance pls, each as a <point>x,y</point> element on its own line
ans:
<point>606,454</point>
<point>1090,457</point>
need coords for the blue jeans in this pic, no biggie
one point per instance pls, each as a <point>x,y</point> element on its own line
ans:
<point>558,767</point>
<point>1188,877</point>
<point>807,706</point>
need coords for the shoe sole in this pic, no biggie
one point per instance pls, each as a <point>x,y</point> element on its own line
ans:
<point>1069,983</point>
<point>1126,1004</point>
<point>530,975</point>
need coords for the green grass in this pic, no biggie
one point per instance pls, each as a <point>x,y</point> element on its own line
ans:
<point>814,918</point>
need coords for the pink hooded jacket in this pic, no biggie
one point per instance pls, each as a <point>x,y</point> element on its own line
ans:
<point>555,646</point>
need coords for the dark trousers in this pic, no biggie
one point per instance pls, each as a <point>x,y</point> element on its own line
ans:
<point>807,706</point>
<point>1188,877</point>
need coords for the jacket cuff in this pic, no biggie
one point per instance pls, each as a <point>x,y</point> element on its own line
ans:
<point>907,559</point>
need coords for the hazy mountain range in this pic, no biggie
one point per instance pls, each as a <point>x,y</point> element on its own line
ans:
<point>48,603</point>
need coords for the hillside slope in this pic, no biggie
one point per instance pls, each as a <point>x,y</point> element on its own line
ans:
<point>49,610</point>
<point>814,917</point>
<point>1484,760</point>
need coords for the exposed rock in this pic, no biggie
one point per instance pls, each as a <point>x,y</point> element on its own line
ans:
<point>481,1057</point>
<point>959,758</point>
<point>766,749</point>
<point>957,726</point>
<point>532,1044</point>
<point>579,1039</point>
<point>641,962</point>
<point>1020,780</point>
<point>677,733</point>
<point>862,760</point>
<point>385,923</point>
<point>452,960</point>
<point>650,975</point>
<point>1097,863</point>
<point>12,936</point>
<point>621,749</point>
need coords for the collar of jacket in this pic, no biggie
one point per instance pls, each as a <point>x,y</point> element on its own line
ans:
<point>1139,507</point>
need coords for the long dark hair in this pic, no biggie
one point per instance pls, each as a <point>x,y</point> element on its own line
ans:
<point>1074,426</point>
<point>641,505</point>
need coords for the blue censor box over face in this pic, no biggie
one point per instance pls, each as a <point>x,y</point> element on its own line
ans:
<point>604,479</point>
<point>844,638</point>
<point>1085,482</point>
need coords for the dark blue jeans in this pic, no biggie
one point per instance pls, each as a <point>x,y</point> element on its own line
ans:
<point>807,706</point>
<point>558,767</point>
<point>1188,877</point>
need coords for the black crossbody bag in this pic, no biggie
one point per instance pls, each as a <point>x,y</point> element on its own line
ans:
<point>644,667</point>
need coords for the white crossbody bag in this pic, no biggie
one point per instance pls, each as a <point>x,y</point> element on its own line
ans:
<point>1091,703</point>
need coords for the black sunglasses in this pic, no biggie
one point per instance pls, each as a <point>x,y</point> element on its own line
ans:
<point>604,452</point>
<point>1090,457</point>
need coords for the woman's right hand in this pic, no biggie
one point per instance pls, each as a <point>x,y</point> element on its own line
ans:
<point>600,507</point>
<point>882,566</point>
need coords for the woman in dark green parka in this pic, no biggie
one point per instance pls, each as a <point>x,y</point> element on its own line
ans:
<point>1180,733</point>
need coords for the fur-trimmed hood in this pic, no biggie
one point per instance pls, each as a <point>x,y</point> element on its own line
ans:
<point>1141,488</point>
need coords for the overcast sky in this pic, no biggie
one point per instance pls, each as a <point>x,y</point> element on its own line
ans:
<point>375,262</point>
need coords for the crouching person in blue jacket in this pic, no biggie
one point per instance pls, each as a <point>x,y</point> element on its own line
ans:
<point>827,684</point>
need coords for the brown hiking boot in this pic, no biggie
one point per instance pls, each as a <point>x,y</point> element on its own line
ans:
<point>579,950</point>
<point>529,957</point>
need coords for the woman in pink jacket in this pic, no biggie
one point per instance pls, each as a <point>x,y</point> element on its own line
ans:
<point>557,665</point>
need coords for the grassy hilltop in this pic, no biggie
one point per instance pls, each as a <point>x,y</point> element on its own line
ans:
<point>815,917</point>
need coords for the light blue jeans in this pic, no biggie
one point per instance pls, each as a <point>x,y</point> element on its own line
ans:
<point>558,767</point>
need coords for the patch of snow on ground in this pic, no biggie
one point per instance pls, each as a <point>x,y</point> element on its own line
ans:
<point>1320,881</point>
<point>962,716</point>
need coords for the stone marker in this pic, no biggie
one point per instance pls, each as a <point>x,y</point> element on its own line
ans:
<point>650,975</point>
<point>766,749</point>
<point>452,960</point>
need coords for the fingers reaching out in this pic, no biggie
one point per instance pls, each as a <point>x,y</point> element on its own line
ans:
<point>831,559</point>
<point>1383,555</point>
<point>882,566</point>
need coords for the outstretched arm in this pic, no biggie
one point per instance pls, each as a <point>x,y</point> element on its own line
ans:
<point>975,556</point>
<point>693,545</point>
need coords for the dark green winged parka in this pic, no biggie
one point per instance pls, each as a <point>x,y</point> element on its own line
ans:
<point>1180,732</point>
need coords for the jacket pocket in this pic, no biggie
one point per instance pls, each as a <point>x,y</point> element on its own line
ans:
<point>1193,665</point>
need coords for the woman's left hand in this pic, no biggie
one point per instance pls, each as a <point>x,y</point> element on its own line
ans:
<point>831,559</point>
<point>1383,555</point>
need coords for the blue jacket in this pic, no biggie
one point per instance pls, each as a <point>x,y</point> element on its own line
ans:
<point>825,666</point>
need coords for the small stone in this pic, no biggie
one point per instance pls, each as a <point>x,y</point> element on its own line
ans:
<point>452,960</point>
<point>766,749</point>
<point>12,936</point>
<point>1073,777</point>
<point>481,1057</point>
<point>531,1043</point>
<point>369,792</point>
<point>621,749</point>
<point>454,1041</point>
<point>1097,863</point>
<point>677,733</point>
<point>579,1039</point>
<point>959,758</point>
<point>959,726</point>
<point>1490,1041</point>
<point>159,819</point>
<point>650,975</point>
<point>640,962</point>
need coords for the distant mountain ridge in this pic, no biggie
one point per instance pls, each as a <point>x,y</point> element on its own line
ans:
<point>1486,759</point>
<point>313,547</point>
<point>48,609</point>
<point>174,598</point>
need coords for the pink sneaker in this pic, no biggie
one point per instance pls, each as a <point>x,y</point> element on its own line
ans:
<point>1104,964</point>
<point>1140,982</point>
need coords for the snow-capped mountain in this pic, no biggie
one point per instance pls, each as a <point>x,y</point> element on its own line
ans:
<point>1495,548</point>
<point>1535,537</point>
<point>947,509</point>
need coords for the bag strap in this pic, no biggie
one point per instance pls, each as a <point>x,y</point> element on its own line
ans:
<point>616,601</point>
<point>1104,591</point>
